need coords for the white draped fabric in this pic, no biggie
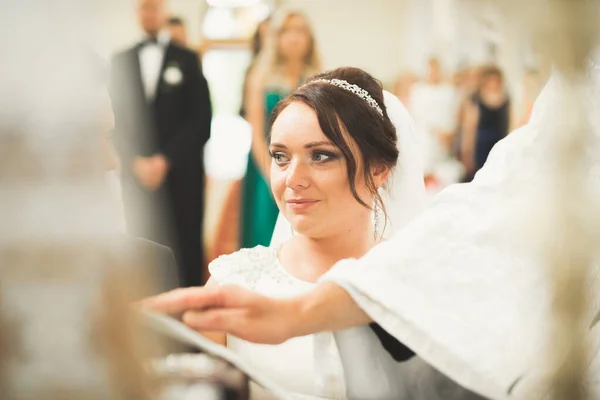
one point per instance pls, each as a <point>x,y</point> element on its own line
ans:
<point>463,284</point>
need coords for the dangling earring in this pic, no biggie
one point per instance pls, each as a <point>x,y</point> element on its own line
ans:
<point>376,222</point>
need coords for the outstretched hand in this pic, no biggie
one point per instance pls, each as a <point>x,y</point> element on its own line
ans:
<point>231,309</point>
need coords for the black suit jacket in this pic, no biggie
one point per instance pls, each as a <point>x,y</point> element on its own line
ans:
<point>175,123</point>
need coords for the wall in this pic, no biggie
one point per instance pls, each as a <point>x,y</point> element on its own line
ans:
<point>385,37</point>
<point>117,26</point>
<point>365,34</point>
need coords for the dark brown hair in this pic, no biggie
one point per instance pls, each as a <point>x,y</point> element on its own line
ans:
<point>339,110</point>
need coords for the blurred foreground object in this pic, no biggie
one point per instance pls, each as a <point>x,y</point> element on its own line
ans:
<point>199,376</point>
<point>68,274</point>
<point>67,281</point>
<point>567,32</point>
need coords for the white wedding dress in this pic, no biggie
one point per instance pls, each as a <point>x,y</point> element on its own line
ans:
<point>356,365</point>
<point>308,367</point>
<point>318,366</point>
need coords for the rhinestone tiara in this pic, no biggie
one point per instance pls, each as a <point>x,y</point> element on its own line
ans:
<point>357,90</point>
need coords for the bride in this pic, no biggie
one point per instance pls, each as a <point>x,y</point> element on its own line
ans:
<point>333,148</point>
<point>460,285</point>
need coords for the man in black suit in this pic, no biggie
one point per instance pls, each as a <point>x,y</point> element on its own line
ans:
<point>163,116</point>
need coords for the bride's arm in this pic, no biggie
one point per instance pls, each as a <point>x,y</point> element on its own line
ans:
<point>327,308</point>
<point>261,319</point>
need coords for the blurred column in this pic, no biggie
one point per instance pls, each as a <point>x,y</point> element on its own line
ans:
<point>470,35</point>
<point>510,57</point>
<point>444,16</point>
<point>418,34</point>
<point>431,30</point>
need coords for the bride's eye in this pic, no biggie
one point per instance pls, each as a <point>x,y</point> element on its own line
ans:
<point>323,157</point>
<point>279,158</point>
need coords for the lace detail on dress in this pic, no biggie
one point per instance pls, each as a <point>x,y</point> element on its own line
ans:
<point>309,367</point>
<point>247,267</point>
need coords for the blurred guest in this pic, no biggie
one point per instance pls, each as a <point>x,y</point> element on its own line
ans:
<point>434,106</point>
<point>289,57</point>
<point>473,80</point>
<point>158,261</point>
<point>177,31</point>
<point>403,87</point>
<point>163,116</point>
<point>459,78</point>
<point>258,40</point>
<point>487,119</point>
<point>531,88</point>
<point>466,84</point>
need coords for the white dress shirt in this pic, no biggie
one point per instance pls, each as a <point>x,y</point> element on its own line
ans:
<point>151,57</point>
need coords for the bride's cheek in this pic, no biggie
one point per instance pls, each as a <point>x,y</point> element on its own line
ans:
<point>277,183</point>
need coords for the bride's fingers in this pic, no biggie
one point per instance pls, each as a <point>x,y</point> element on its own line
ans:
<point>180,300</point>
<point>237,322</point>
<point>214,320</point>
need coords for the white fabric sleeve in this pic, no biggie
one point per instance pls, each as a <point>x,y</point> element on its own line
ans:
<point>462,285</point>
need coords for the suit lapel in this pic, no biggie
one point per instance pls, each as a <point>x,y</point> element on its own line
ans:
<point>137,72</point>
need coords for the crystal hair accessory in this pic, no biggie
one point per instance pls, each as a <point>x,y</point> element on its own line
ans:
<point>357,90</point>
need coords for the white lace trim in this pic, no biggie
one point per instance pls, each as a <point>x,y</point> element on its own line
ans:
<point>259,267</point>
<point>247,267</point>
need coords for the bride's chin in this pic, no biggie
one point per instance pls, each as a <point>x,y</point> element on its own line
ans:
<point>303,225</point>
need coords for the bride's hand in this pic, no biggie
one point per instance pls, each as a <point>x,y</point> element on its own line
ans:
<point>230,309</point>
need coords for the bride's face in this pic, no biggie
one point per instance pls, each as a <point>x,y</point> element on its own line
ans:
<point>309,178</point>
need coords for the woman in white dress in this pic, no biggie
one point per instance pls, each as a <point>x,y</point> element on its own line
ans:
<point>459,285</point>
<point>333,147</point>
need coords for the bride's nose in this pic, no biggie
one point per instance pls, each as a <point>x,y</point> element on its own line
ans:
<point>298,175</point>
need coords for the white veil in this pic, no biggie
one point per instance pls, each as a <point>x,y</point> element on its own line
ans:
<point>405,196</point>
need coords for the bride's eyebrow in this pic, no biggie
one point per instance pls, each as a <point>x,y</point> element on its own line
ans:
<point>317,144</point>
<point>309,145</point>
<point>278,145</point>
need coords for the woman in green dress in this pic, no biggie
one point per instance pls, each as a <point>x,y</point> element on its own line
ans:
<point>287,59</point>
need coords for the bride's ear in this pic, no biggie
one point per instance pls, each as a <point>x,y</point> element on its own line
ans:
<point>380,173</point>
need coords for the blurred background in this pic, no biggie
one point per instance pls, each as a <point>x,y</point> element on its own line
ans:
<point>184,122</point>
<point>463,68</point>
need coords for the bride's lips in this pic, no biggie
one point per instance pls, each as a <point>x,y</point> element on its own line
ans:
<point>301,204</point>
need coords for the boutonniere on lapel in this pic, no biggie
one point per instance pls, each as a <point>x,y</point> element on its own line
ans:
<point>173,75</point>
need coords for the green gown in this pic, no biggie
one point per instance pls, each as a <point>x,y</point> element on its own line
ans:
<point>259,211</point>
